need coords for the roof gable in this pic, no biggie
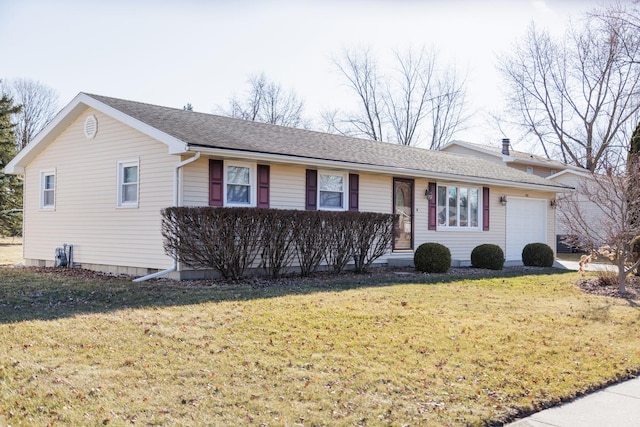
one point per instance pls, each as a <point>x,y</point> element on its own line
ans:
<point>513,156</point>
<point>69,114</point>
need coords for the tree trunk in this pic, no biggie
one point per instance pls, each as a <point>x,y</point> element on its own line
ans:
<point>622,279</point>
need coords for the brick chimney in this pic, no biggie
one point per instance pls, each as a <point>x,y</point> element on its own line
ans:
<point>505,146</point>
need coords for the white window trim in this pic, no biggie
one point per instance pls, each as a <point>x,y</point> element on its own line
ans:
<point>459,228</point>
<point>120,172</point>
<point>345,190</point>
<point>253,183</point>
<point>44,173</point>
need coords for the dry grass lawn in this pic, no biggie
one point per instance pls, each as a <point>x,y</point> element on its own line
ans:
<point>10,250</point>
<point>100,351</point>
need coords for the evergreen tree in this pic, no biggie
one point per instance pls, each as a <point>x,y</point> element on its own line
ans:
<point>10,185</point>
<point>633,163</point>
<point>634,144</point>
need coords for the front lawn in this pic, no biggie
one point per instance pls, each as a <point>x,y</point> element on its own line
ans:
<point>10,250</point>
<point>105,351</point>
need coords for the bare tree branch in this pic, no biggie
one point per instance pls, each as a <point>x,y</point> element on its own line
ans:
<point>417,103</point>
<point>579,95</point>
<point>39,104</point>
<point>267,102</point>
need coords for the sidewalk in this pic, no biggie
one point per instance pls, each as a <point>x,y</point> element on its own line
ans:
<point>592,266</point>
<point>615,406</point>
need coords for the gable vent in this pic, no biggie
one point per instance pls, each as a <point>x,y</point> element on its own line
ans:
<point>91,127</point>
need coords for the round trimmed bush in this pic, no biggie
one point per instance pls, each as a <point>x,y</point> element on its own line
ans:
<point>432,258</point>
<point>537,255</point>
<point>487,256</point>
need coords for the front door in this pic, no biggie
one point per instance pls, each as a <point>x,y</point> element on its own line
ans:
<point>403,207</point>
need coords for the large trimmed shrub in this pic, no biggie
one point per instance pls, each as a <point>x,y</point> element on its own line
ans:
<point>487,256</point>
<point>432,258</point>
<point>232,240</point>
<point>537,255</point>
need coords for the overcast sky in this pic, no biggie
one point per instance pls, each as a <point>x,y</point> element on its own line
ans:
<point>202,52</point>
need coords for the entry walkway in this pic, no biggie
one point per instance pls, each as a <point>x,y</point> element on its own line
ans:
<point>615,406</point>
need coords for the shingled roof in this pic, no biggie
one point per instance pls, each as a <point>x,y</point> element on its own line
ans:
<point>199,131</point>
<point>212,131</point>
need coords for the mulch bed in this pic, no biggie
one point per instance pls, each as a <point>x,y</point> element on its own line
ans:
<point>607,286</point>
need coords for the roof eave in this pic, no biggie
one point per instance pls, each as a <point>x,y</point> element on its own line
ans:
<point>406,172</point>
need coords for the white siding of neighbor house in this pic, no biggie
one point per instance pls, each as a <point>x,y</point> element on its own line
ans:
<point>86,214</point>
<point>575,200</point>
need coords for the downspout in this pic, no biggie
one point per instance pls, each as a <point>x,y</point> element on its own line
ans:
<point>176,203</point>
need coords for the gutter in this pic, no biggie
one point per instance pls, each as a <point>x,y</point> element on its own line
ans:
<point>413,173</point>
<point>176,202</point>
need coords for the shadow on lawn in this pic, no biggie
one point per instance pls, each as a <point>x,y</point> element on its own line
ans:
<point>50,293</point>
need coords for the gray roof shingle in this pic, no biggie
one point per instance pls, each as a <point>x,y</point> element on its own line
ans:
<point>208,130</point>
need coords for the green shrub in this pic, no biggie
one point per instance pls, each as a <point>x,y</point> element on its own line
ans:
<point>537,255</point>
<point>487,256</point>
<point>432,258</point>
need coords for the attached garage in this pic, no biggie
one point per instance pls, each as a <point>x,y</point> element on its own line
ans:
<point>526,223</point>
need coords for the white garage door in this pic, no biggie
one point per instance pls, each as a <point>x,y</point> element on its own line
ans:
<point>526,223</point>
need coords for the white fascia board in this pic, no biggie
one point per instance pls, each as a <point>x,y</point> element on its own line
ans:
<point>374,169</point>
<point>569,171</point>
<point>70,113</point>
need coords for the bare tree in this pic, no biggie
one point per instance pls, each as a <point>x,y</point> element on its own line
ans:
<point>408,97</point>
<point>267,102</point>
<point>579,94</point>
<point>448,108</point>
<point>417,102</point>
<point>361,71</point>
<point>39,104</point>
<point>601,217</point>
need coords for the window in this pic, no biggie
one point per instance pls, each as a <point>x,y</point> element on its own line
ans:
<point>331,191</point>
<point>529,170</point>
<point>48,189</point>
<point>240,184</point>
<point>128,180</point>
<point>457,207</point>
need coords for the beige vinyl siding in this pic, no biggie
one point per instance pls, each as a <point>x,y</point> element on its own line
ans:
<point>462,242</point>
<point>195,183</point>
<point>287,187</point>
<point>86,212</point>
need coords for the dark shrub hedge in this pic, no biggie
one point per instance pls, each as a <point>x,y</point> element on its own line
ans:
<point>487,256</point>
<point>537,255</point>
<point>230,240</point>
<point>432,258</point>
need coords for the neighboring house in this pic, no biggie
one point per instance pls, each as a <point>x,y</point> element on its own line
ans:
<point>562,173</point>
<point>99,174</point>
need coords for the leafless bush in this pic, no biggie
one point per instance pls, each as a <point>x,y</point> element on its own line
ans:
<point>340,230</point>
<point>226,240</point>
<point>310,239</point>
<point>277,241</point>
<point>372,237</point>
<point>229,240</point>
